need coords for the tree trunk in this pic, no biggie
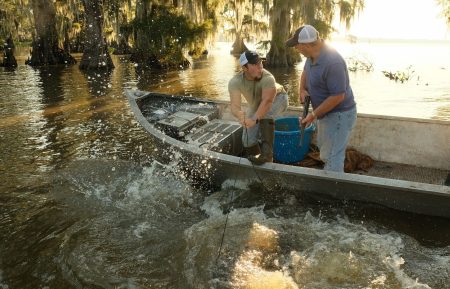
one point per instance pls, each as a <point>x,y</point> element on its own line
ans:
<point>279,55</point>
<point>77,45</point>
<point>45,50</point>
<point>238,45</point>
<point>124,36</point>
<point>95,54</point>
<point>123,46</point>
<point>142,40</point>
<point>8,54</point>
<point>142,52</point>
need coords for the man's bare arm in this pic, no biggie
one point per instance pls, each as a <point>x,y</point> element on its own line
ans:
<point>326,106</point>
<point>236,110</point>
<point>303,90</point>
<point>268,95</point>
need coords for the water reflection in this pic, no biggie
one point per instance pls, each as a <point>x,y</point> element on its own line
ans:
<point>84,205</point>
<point>289,78</point>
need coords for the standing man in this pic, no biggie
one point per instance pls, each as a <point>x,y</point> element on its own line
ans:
<point>325,79</point>
<point>266,99</point>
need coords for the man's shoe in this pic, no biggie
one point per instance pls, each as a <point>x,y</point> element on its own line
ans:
<point>259,159</point>
<point>267,127</point>
<point>252,150</point>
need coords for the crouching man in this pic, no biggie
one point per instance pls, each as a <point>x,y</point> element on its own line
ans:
<point>266,100</point>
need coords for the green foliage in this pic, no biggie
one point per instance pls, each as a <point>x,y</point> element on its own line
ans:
<point>399,75</point>
<point>348,10</point>
<point>126,29</point>
<point>245,19</point>
<point>445,5</point>
<point>76,27</point>
<point>263,45</point>
<point>168,29</point>
<point>359,64</point>
<point>15,20</point>
<point>108,30</point>
<point>320,13</point>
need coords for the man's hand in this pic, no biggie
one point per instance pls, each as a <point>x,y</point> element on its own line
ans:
<point>248,123</point>
<point>308,120</point>
<point>303,94</point>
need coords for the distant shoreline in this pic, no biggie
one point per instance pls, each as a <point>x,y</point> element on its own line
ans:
<point>388,40</point>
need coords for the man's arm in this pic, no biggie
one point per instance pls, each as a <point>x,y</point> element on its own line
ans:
<point>326,106</point>
<point>268,95</point>
<point>303,88</point>
<point>329,103</point>
<point>235,101</point>
<point>336,84</point>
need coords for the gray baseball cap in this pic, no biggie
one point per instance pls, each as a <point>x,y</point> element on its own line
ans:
<point>305,34</point>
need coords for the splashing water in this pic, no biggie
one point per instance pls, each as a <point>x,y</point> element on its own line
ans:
<point>300,252</point>
<point>146,227</point>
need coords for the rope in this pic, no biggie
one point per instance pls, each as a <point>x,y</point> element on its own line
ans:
<point>230,207</point>
<point>233,199</point>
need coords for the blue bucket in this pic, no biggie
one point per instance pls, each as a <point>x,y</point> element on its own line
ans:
<point>286,147</point>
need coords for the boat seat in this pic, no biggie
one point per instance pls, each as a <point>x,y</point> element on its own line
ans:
<point>179,123</point>
<point>218,135</point>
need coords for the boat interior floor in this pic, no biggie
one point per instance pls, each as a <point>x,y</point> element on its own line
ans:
<point>225,136</point>
<point>403,172</point>
<point>406,173</point>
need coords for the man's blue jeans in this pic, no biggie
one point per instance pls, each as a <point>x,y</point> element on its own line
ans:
<point>332,138</point>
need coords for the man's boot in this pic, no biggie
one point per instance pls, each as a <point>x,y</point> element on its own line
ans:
<point>251,151</point>
<point>267,128</point>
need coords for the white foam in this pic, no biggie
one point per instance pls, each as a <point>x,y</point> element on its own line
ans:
<point>235,184</point>
<point>159,184</point>
<point>211,205</point>
<point>250,274</point>
<point>141,228</point>
<point>323,254</point>
<point>395,262</point>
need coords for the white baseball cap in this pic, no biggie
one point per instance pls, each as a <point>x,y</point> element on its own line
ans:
<point>249,57</point>
<point>305,34</point>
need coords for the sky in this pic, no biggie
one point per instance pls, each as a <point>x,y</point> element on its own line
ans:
<point>399,19</point>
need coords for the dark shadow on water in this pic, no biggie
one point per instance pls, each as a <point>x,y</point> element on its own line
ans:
<point>52,98</point>
<point>427,230</point>
<point>99,82</point>
<point>52,87</point>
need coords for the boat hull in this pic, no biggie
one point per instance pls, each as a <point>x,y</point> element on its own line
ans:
<point>214,168</point>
